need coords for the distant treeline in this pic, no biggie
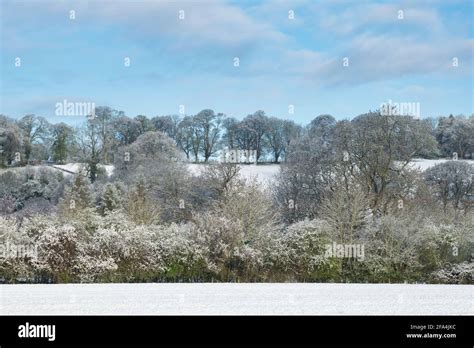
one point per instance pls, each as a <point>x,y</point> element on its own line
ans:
<point>32,139</point>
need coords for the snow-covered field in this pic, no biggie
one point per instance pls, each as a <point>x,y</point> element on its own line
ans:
<point>424,164</point>
<point>76,167</point>
<point>264,174</point>
<point>224,298</point>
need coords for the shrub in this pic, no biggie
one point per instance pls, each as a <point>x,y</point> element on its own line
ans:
<point>390,254</point>
<point>18,187</point>
<point>302,256</point>
<point>461,273</point>
<point>58,254</point>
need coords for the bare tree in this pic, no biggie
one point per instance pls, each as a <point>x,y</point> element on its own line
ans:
<point>382,146</point>
<point>167,124</point>
<point>274,137</point>
<point>126,130</point>
<point>34,131</point>
<point>9,140</point>
<point>251,131</point>
<point>184,136</point>
<point>230,125</point>
<point>208,127</point>
<point>90,141</point>
<point>291,132</point>
<point>452,182</point>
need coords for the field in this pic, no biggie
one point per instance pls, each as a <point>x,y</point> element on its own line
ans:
<point>263,299</point>
<point>264,174</point>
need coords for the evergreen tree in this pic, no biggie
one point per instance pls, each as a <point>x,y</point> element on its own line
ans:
<point>140,208</point>
<point>60,144</point>
<point>110,199</point>
<point>77,198</point>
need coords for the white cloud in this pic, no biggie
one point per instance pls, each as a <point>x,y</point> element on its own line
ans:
<point>369,34</point>
<point>345,20</point>
<point>209,22</point>
<point>212,22</point>
<point>380,57</point>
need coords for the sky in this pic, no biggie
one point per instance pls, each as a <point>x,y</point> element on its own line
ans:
<point>296,59</point>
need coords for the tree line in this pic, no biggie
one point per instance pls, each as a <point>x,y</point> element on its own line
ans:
<point>199,136</point>
<point>32,139</point>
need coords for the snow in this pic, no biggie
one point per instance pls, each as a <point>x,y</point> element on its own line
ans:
<point>424,164</point>
<point>76,167</point>
<point>236,299</point>
<point>69,167</point>
<point>264,173</point>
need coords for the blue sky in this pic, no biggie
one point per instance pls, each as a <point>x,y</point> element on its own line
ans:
<point>283,61</point>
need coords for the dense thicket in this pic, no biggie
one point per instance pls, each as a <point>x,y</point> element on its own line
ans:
<point>341,183</point>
